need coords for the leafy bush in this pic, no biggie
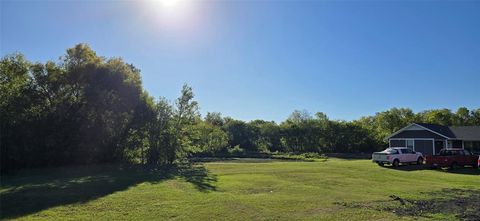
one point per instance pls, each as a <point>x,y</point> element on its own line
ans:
<point>303,157</point>
<point>310,155</point>
<point>236,150</point>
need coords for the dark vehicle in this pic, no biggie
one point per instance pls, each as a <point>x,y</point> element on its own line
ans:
<point>452,158</point>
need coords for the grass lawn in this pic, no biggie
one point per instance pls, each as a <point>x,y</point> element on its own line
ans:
<point>231,190</point>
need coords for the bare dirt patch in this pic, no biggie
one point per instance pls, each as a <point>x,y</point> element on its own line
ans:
<point>461,203</point>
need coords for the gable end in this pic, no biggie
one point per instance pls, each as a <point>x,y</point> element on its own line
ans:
<point>417,134</point>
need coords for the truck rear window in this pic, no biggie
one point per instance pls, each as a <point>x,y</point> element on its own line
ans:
<point>391,151</point>
<point>451,153</point>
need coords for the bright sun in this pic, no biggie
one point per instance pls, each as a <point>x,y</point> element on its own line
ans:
<point>169,3</point>
<point>172,14</point>
<point>170,9</point>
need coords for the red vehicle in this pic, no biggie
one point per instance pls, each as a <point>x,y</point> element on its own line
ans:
<point>453,158</point>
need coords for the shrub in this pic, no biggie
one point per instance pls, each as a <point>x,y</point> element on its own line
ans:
<point>236,150</point>
<point>310,155</point>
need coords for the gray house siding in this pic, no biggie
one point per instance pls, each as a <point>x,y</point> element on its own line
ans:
<point>424,146</point>
<point>423,140</point>
<point>417,134</point>
<point>397,143</point>
<point>457,144</point>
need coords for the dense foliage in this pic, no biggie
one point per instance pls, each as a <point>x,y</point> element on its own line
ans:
<point>87,109</point>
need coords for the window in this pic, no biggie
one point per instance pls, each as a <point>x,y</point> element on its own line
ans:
<point>410,144</point>
<point>473,146</point>
<point>467,153</point>
<point>454,153</point>
<point>406,151</point>
<point>445,153</point>
<point>391,151</point>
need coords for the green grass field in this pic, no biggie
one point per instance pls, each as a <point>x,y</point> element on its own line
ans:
<point>231,190</point>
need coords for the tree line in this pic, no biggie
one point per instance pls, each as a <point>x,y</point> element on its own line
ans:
<point>88,109</point>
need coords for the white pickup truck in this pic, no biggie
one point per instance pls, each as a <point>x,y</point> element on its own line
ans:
<point>397,155</point>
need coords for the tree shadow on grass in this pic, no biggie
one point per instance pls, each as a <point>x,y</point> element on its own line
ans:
<point>197,175</point>
<point>38,190</point>
<point>250,159</point>
<point>350,156</point>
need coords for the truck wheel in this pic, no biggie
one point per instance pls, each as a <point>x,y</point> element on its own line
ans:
<point>396,163</point>
<point>420,161</point>
<point>380,164</point>
<point>454,165</point>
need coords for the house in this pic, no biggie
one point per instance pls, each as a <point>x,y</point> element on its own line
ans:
<point>429,139</point>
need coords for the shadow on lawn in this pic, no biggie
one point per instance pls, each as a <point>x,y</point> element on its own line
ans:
<point>38,190</point>
<point>464,170</point>
<point>350,156</point>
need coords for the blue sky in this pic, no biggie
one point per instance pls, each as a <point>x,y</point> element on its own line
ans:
<point>264,59</point>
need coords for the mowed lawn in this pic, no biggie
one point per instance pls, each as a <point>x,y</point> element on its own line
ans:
<point>228,190</point>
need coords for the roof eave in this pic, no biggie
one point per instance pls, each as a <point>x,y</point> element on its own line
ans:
<point>401,130</point>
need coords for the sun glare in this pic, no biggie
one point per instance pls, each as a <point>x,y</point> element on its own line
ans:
<point>169,3</point>
<point>175,7</point>
<point>173,17</point>
<point>172,11</point>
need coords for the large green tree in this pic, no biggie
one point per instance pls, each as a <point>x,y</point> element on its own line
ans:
<point>78,110</point>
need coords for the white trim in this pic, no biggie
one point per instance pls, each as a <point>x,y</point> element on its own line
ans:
<point>420,138</point>
<point>464,139</point>
<point>406,143</point>
<point>398,131</point>
<point>414,139</point>
<point>444,141</point>
<point>433,131</point>
<point>403,129</point>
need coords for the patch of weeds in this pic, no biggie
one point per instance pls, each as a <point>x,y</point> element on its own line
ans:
<point>301,157</point>
<point>464,204</point>
<point>237,154</point>
<point>460,203</point>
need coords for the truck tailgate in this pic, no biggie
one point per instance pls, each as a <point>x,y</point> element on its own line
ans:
<point>379,157</point>
<point>437,160</point>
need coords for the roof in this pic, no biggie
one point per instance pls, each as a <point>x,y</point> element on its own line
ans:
<point>458,132</point>
<point>466,132</point>
<point>443,130</point>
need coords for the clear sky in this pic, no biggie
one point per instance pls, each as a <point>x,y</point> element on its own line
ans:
<point>264,59</point>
